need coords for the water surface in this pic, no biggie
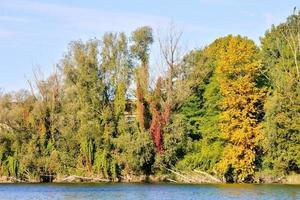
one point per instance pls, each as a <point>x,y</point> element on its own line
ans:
<point>147,191</point>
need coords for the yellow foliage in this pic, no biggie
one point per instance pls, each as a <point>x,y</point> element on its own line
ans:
<point>241,106</point>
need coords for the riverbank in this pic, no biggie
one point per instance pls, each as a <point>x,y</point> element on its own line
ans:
<point>170,178</point>
<point>83,179</point>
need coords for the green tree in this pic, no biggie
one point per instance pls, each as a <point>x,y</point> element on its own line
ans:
<point>81,71</point>
<point>201,109</point>
<point>281,56</point>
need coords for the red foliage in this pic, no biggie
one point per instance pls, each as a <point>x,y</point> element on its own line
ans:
<point>156,131</point>
<point>160,117</point>
<point>161,113</point>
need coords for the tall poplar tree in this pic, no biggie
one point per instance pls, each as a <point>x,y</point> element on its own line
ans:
<point>141,39</point>
<point>81,71</point>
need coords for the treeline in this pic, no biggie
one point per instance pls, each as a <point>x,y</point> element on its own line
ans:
<point>231,109</point>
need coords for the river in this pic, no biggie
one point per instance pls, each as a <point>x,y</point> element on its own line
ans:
<point>147,191</point>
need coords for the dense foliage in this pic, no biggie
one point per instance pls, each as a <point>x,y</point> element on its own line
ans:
<point>231,109</point>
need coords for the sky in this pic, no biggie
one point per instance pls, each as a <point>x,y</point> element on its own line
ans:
<point>35,34</point>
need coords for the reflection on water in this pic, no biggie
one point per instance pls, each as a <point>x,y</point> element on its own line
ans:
<point>147,191</point>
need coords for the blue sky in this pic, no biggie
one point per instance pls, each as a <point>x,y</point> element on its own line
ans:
<point>36,33</point>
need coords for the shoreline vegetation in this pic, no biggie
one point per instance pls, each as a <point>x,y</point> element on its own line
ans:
<point>152,179</point>
<point>225,113</point>
<point>197,177</point>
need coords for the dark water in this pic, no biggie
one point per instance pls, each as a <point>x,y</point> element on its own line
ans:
<point>147,191</point>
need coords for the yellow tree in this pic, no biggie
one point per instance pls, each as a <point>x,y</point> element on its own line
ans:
<point>241,108</point>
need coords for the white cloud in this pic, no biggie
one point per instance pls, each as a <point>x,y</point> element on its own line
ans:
<point>86,18</point>
<point>7,33</point>
<point>92,19</point>
<point>269,19</point>
<point>248,13</point>
<point>13,19</point>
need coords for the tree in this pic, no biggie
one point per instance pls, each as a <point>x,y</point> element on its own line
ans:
<point>281,56</point>
<point>142,39</point>
<point>163,98</point>
<point>81,71</point>
<point>201,108</point>
<point>117,71</point>
<point>241,108</point>
<point>170,51</point>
